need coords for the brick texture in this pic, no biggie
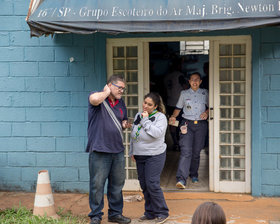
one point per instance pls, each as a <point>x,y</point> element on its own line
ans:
<point>43,104</point>
<point>270,102</point>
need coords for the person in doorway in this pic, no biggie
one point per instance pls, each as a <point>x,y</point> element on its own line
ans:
<point>174,83</point>
<point>194,103</point>
<point>209,213</point>
<point>148,148</point>
<point>107,116</point>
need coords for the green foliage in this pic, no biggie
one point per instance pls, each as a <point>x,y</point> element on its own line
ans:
<point>23,215</point>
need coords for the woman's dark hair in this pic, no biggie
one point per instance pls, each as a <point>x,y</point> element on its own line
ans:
<point>209,213</point>
<point>115,78</point>
<point>157,101</point>
<point>195,73</point>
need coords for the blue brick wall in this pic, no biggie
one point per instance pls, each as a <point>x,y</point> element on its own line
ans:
<point>43,103</point>
<point>270,106</point>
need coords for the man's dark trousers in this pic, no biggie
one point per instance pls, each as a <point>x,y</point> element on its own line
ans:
<point>102,166</point>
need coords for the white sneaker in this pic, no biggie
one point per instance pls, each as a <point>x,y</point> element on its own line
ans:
<point>160,220</point>
<point>180,185</point>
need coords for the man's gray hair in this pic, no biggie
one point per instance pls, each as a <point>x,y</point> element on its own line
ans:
<point>115,78</point>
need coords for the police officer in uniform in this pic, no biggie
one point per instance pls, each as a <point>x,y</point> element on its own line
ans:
<point>194,102</point>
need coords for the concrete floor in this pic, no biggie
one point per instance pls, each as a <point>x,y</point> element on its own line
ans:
<point>168,177</point>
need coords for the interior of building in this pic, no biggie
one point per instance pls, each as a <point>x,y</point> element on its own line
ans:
<point>191,56</point>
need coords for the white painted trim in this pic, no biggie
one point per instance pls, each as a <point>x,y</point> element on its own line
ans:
<point>141,78</point>
<point>146,69</point>
<point>248,111</point>
<point>215,92</point>
<point>230,186</point>
<point>211,122</point>
<point>132,41</point>
<point>109,55</point>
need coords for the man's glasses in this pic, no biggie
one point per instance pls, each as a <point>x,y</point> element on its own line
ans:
<point>120,88</point>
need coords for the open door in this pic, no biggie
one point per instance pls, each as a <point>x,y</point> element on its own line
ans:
<point>126,58</point>
<point>229,102</point>
<point>230,115</point>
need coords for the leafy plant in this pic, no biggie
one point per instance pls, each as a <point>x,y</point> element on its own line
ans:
<point>22,215</point>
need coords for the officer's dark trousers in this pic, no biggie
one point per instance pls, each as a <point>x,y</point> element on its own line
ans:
<point>149,169</point>
<point>191,145</point>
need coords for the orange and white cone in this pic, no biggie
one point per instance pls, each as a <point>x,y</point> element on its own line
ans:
<point>44,203</point>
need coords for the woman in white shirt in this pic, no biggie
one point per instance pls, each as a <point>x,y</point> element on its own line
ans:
<point>148,148</point>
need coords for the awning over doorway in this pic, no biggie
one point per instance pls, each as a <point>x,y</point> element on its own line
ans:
<point>120,16</point>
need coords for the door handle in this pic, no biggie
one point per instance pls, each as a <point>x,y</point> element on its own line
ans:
<point>211,113</point>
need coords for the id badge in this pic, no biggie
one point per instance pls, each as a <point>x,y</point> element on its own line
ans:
<point>188,104</point>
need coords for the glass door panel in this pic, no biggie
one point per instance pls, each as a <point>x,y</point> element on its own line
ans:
<point>232,101</point>
<point>123,59</point>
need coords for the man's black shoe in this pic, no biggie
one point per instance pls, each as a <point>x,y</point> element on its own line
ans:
<point>95,221</point>
<point>119,219</point>
<point>145,218</point>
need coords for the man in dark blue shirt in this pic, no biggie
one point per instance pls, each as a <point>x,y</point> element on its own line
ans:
<point>107,116</point>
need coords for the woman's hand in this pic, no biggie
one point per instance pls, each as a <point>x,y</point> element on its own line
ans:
<point>133,159</point>
<point>125,124</point>
<point>145,114</point>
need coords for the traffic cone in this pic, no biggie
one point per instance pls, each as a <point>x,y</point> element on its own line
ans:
<point>44,203</point>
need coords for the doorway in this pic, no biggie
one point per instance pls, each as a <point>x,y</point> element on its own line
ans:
<point>228,164</point>
<point>171,63</point>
